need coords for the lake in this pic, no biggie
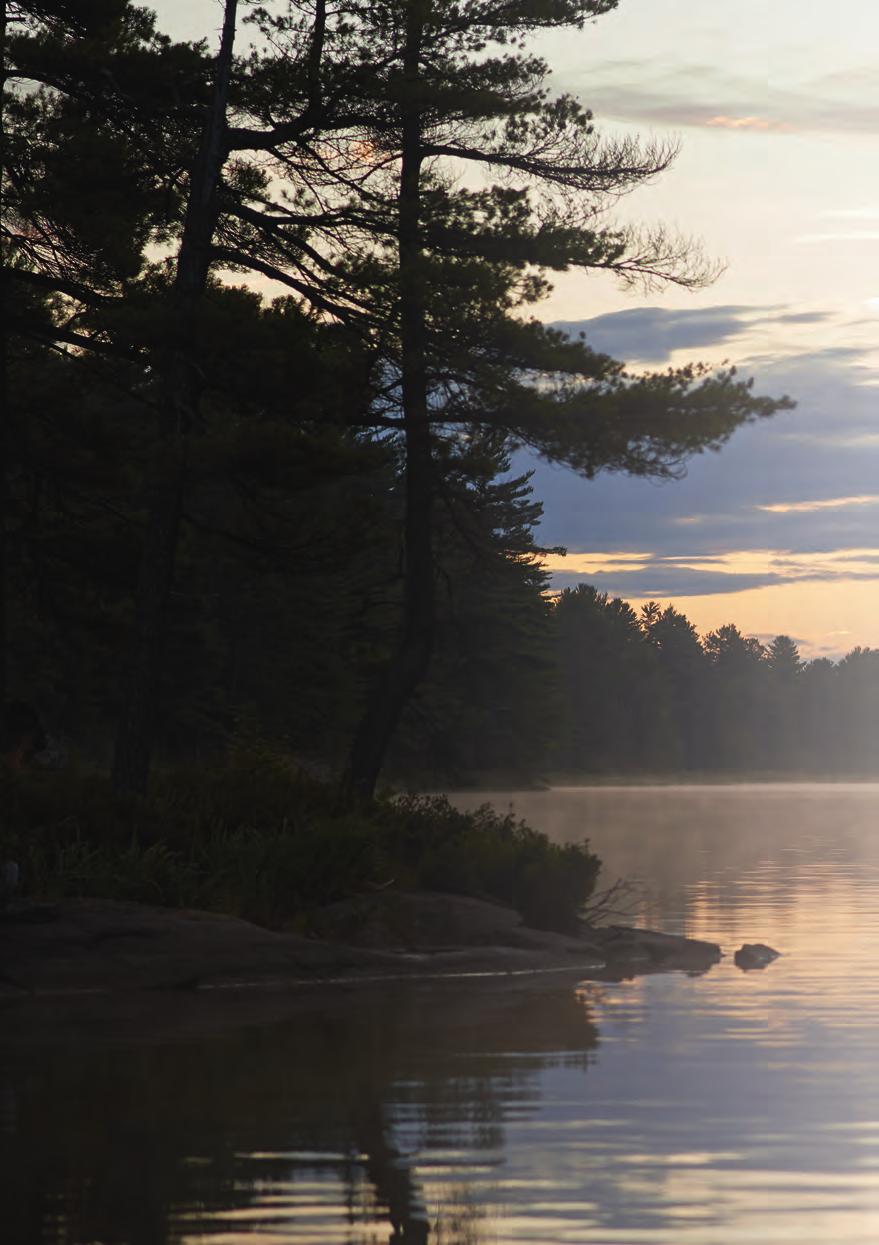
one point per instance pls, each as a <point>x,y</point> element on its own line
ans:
<point>713,1110</point>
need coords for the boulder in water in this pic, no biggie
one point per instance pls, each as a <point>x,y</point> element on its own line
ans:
<point>755,955</point>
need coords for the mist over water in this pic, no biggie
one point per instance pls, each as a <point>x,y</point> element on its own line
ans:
<point>668,1110</point>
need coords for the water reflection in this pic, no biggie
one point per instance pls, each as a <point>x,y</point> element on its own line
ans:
<point>729,1108</point>
<point>739,1106</point>
<point>302,1128</point>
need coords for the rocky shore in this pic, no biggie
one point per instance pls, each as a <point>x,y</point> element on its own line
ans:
<point>99,947</point>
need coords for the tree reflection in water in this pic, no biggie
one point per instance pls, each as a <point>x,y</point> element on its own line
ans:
<point>193,1117</point>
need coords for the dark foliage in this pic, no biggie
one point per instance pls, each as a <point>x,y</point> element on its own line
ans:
<point>213,506</point>
<point>257,838</point>
<point>267,504</point>
<point>642,693</point>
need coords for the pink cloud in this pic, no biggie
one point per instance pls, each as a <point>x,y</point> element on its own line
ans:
<point>723,122</point>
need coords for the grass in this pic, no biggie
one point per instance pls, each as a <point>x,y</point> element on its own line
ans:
<point>258,839</point>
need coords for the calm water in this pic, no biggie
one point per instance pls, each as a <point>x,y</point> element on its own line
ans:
<point>710,1110</point>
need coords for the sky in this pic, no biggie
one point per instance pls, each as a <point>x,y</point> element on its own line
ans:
<point>775,107</point>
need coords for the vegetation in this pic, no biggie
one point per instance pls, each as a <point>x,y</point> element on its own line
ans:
<point>261,840</point>
<point>214,504</point>
<point>641,692</point>
<point>267,356</point>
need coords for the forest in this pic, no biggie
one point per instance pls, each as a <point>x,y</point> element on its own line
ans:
<point>270,355</point>
<point>644,693</point>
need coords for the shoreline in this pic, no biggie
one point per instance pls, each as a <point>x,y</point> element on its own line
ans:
<point>100,949</point>
<point>518,784</point>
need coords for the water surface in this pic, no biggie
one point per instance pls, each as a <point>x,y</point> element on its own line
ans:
<point>708,1110</point>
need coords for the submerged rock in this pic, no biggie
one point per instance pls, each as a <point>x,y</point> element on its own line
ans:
<point>754,955</point>
<point>630,950</point>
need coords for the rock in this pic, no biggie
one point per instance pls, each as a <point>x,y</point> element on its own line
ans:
<point>87,945</point>
<point>649,950</point>
<point>442,924</point>
<point>100,947</point>
<point>754,955</point>
<point>417,921</point>
<point>106,949</point>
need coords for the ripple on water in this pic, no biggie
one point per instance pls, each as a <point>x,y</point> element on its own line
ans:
<point>669,1110</point>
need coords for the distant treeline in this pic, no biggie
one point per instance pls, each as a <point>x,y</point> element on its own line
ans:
<point>642,691</point>
<point>581,683</point>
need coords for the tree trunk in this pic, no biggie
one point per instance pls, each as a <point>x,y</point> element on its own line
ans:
<point>4,503</point>
<point>412,658</point>
<point>180,392</point>
<point>4,412</point>
<point>392,1174</point>
<point>5,447</point>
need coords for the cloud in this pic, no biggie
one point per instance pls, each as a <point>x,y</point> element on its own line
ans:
<point>651,334</point>
<point>701,575</point>
<point>746,123</point>
<point>801,486</point>
<point>827,503</point>
<point>705,96</point>
<point>806,317</point>
<point>684,574</point>
<point>660,583</point>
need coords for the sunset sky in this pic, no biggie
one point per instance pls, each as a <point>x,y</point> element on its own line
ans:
<point>776,106</point>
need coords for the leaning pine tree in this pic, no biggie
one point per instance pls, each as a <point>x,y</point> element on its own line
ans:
<point>464,183</point>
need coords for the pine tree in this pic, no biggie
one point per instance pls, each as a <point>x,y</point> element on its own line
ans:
<point>180,384</point>
<point>447,270</point>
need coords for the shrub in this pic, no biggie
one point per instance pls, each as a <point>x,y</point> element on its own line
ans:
<point>490,855</point>
<point>259,839</point>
